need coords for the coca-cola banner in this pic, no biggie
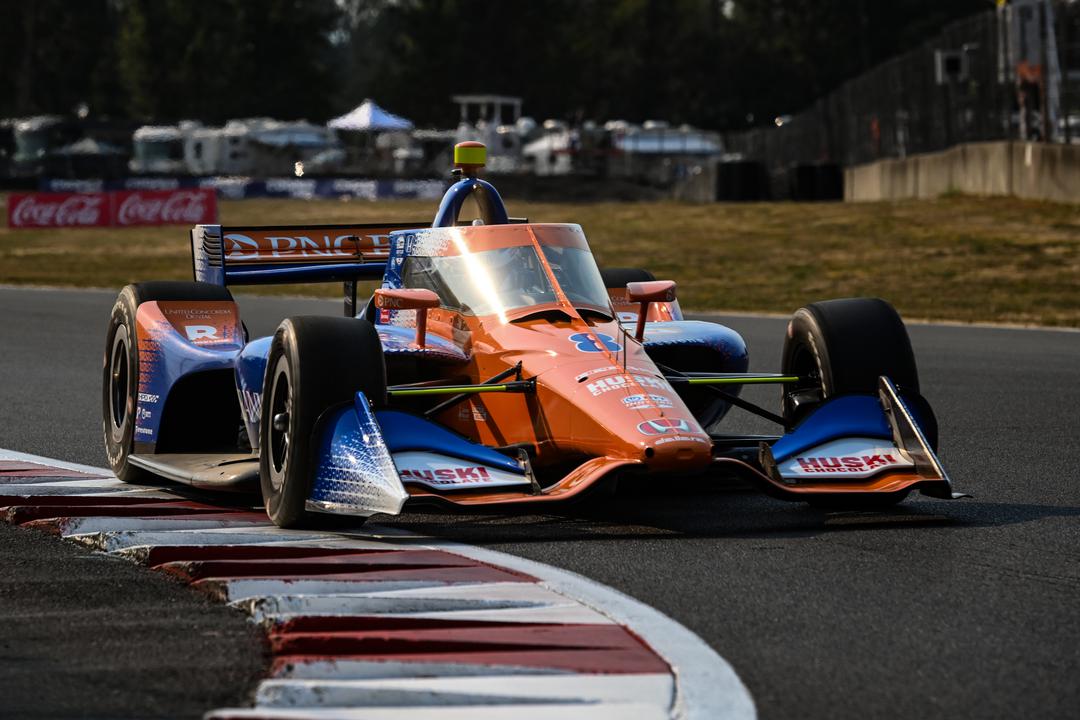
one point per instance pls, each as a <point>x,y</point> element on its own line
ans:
<point>164,207</point>
<point>113,209</point>
<point>52,210</point>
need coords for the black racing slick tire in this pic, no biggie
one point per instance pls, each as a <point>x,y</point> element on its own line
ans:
<point>619,277</point>
<point>315,364</point>
<point>120,374</point>
<point>844,346</point>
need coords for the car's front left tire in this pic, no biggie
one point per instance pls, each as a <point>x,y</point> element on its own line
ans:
<point>315,364</point>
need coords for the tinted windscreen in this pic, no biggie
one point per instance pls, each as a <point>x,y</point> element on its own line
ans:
<point>577,275</point>
<point>483,283</point>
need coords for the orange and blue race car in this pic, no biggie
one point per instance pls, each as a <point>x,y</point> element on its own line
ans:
<point>497,365</point>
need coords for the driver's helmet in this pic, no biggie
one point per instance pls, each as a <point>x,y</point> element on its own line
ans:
<point>523,270</point>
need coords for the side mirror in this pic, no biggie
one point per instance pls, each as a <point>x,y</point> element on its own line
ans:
<point>409,299</point>
<point>646,293</point>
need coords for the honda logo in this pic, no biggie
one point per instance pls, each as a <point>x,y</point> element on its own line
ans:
<point>663,426</point>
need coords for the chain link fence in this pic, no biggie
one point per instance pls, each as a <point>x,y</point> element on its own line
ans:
<point>960,86</point>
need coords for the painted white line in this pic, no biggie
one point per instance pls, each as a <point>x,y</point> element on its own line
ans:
<point>139,552</point>
<point>652,689</point>
<point>40,460</point>
<point>349,669</point>
<point>112,541</point>
<point>94,524</point>
<point>234,590</point>
<point>286,607</point>
<point>69,487</point>
<point>491,591</point>
<point>97,488</point>
<point>604,711</point>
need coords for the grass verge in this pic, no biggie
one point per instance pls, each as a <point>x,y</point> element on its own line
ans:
<point>956,258</point>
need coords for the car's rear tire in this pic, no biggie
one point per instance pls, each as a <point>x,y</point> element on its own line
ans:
<point>120,374</point>
<point>315,364</point>
<point>619,277</point>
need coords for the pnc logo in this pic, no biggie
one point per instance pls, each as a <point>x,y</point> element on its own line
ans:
<point>663,426</point>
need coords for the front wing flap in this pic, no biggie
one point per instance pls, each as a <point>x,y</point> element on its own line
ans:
<point>856,444</point>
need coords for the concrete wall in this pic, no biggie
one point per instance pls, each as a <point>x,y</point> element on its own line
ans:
<point>1029,170</point>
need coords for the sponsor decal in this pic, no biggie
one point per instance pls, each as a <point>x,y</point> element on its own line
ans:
<point>845,464</point>
<point>472,412</point>
<point>251,404</point>
<point>164,207</point>
<point>636,402</point>
<point>143,431</point>
<point>292,187</point>
<point>664,426</point>
<point>448,476</point>
<point>148,397</point>
<point>209,323</point>
<point>143,414</point>
<point>367,189</point>
<point>587,342</point>
<point>40,210</point>
<point>849,457</point>
<point>681,438</point>
<point>619,382</point>
<point>120,208</point>
<point>391,302</point>
<point>195,313</point>
<point>277,246</point>
<point>199,333</point>
<point>446,473</point>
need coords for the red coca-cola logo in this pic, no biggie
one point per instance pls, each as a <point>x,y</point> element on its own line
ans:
<point>151,207</point>
<point>58,210</point>
<point>162,208</point>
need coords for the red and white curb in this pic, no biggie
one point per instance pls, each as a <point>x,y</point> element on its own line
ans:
<point>384,625</point>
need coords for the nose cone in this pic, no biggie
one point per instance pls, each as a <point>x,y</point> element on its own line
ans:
<point>630,412</point>
<point>670,443</point>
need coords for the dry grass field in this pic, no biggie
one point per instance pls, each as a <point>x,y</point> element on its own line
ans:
<point>956,258</point>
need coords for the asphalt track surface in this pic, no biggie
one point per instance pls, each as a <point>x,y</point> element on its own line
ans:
<point>968,608</point>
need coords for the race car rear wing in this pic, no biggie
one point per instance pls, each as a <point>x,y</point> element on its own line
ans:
<point>264,255</point>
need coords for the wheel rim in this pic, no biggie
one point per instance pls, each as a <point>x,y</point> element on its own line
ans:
<point>119,373</point>
<point>280,403</point>
<point>804,364</point>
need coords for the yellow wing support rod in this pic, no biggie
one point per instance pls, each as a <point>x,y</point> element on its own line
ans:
<point>515,386</point>
<point>732,378</point>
